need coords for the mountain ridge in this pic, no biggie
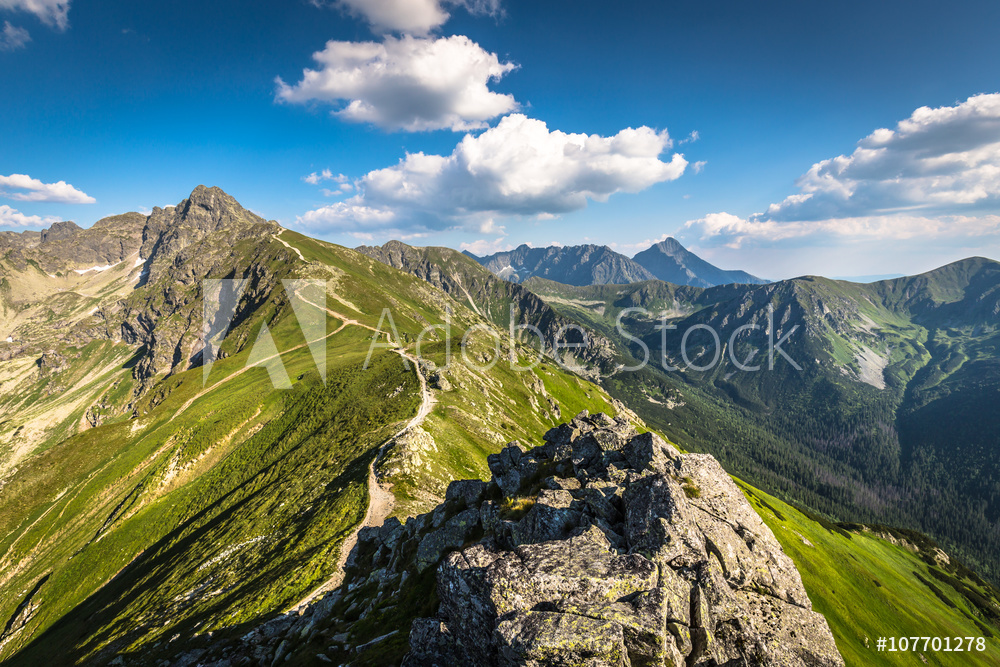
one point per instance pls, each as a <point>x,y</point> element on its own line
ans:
<point>583,264</point>
<point>593,264</point>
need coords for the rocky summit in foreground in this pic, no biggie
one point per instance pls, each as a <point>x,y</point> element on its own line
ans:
<point>601,547</point>
<point>604,547</point>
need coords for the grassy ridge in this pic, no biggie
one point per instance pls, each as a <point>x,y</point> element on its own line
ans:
<point>177,523</point>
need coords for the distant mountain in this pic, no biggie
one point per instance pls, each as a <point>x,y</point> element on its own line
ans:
<point>584,265</point>
<point>570,265</point>
<point>671,262</point>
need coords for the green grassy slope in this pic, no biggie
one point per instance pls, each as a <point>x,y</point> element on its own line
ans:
<point>216,507</point>
<point>868,587</point>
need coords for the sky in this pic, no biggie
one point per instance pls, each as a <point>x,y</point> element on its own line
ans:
<point>782,138</point>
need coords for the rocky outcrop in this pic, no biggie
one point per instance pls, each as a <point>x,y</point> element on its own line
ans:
<point>629,554</point>
<point>608,547</point>
<point>601,547</point>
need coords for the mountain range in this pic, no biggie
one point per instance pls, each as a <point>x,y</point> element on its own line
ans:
<point>296,501</point>
<point>583,265</point>
<point>878,413</point>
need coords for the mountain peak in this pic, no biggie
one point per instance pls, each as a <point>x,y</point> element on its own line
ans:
<point>670,246</point>
<point>210,197</point>
<point>60,230</point>
<point>670,261</point>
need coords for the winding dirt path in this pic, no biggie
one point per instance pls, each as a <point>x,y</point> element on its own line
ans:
<point>380,498</point>
<point>277,237</point>
<point>344,322</point>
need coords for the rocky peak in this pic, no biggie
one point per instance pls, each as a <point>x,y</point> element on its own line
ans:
<point>670,246</point>
<point>59,231</point>
<point>205,211</point>
<point>603,547</point>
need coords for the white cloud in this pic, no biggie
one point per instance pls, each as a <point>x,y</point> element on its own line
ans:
<point>489,226</point>
<point>316,178</point>
<point>733,231</point>
<point>24,188</point>
<point>519,167</point>
<point>13,38</point>
<point>698,166</point>
<point>484,247</point>
<point>936,174</point>
<point>53,13</point>
<point>408,16</point>
<point>638,245</point>
<point>10,217</point>
<point>354,210</point>
<point>691,138</point>
<point>408,83</point>
<point>944,159</point>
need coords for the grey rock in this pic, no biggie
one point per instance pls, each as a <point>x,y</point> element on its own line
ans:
<point>452,535</point>
<point>467,492</point>
<point>659,522</point>
<point>539,639</point>
<point>505,469</point>
<point>632,554</point>
<point>552,517</point>
<point>650,451</point>
<point>432,645</point>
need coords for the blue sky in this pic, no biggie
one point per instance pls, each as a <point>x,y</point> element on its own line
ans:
<point>488,123</point>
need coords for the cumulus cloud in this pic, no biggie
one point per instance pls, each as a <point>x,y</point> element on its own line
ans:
<point>946,158</point>
<point>13,38</point>
<point>930,175</point>
<point>408,16</point>
<point>519,167</point>
<point>53,13</point>
<point>406,83</point>
<point>10,217</point>
<point>21,187</point>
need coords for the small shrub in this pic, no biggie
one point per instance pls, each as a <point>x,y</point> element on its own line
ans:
<point>512,509</point>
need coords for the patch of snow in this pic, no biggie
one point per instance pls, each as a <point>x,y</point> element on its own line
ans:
<point>95,268</point>
<point>139,261</point>
<point>10,339</point>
